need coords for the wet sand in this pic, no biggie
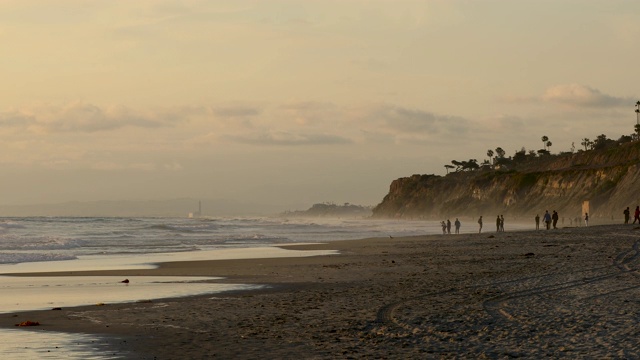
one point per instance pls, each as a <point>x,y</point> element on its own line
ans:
<point>567,293</point>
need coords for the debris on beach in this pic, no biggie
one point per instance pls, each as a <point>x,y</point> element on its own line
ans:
<point>28,323</point>
<point>126,281</point>
<point>56,308</point>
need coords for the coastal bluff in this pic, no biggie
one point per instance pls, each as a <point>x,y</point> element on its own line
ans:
<point>607,178</point>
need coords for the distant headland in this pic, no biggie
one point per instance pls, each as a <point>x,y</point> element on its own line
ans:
<point>332,210</point>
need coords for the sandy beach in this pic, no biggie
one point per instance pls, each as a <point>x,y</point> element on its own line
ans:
<point>566,293</point>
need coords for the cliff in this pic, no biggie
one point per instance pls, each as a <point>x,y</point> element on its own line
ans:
<point>607,178</point>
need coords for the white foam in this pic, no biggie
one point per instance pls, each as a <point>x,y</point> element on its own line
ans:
<point>150,261</point>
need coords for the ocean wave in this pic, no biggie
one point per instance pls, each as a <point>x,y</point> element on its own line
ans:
<point>16,258</point>
<point>195,227</point>
<point>38,243</point>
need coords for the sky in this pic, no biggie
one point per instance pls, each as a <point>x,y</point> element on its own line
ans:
<point>297,102</point>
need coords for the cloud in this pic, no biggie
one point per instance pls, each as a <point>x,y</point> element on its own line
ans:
<point>89,118</point>
<point>311,112</point>
<point>290,139</point>
<point>236,111</point>
<point>401,120</point>
<point>574,95</point>
<point>15,119</point>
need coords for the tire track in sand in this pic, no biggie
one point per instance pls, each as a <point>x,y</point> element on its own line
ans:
<point>495,306</point>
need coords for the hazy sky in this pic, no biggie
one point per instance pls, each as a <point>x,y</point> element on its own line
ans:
<point>297,101</point>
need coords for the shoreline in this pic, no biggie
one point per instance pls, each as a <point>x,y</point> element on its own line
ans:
<point>528,293</point>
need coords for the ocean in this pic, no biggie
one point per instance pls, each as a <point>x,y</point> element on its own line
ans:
<point>46,239</point>
<point>36,244</point>
<point>40,244</point>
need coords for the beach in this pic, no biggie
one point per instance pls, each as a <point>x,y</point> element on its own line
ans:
<point>566,293</point>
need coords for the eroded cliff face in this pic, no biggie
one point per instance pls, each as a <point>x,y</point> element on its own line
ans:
<point>608,179</point>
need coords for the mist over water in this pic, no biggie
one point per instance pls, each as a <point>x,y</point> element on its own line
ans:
<point>37,239</point>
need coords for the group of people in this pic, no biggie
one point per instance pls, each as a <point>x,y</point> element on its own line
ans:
<point>446,226</point>
<point>549,220</point>
<point>499,223</point>
<point>636,215</point>
<point>552,219</point>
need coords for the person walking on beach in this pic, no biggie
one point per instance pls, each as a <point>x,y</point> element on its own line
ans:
<point>457,224</point>
<point>502,223</point>
<point>636,215</point>
<point>586,219</point>
<point>547,219</point>
<point>554,217</point>
<point>498,223</point>
<point>444,227</point>
<point>448,226</point>
<point>480,224</point>
<point>626,215</point>
<point>537,222</point>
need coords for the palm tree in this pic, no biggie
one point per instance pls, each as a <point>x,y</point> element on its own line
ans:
<point>545,138</point>
<point>490,155</point>
<point>548,145</point>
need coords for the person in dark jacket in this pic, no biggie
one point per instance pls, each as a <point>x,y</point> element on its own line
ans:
<point>547,219</point>
<point>626,215</point>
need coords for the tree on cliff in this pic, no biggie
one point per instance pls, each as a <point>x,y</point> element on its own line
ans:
<point>586,143</point>
<point>520,156</point>
<point>470,165</point>
<point>449,167</point>
<point>602,142</point>
<point>545,138</point>
<point>490,155</point>
<point>500,152</point>
<point>457,164</point>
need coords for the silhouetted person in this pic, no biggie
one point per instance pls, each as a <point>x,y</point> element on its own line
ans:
<point>636,215</point>
<point>547,219</point>
<point>457,224</point>
<point>502,223</point>
<point>480,224</point>
<point>498,223</point>
<point>626,215</point>
<point>444,227</point>
<point>586,219</point>
<point>448,226</point>
<point>554,217</point>
<point>537,222</point>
